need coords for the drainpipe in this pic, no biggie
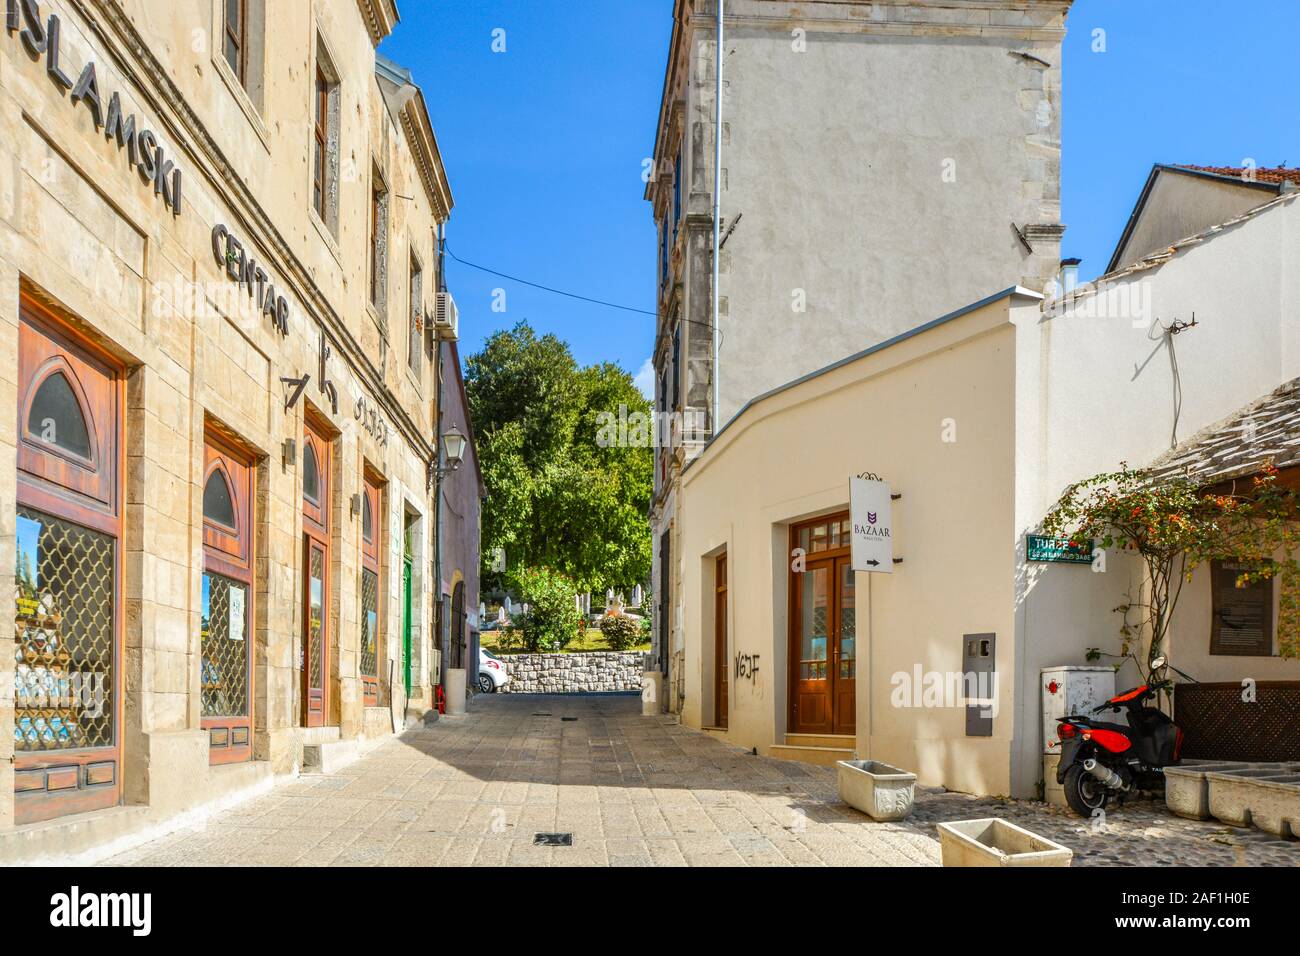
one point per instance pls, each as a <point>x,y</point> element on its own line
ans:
<point>717,219</point>
<point>439,610</point>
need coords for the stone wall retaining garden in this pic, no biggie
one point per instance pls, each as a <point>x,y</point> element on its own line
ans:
<point>587,673</point>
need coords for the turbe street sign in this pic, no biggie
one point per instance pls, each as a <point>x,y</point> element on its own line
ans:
<point>873,533</point>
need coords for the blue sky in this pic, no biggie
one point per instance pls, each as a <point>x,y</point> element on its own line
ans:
<point>544,142</point>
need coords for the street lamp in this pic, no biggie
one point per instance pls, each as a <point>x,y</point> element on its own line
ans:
<point>453,448</point>
<point>453,442</point>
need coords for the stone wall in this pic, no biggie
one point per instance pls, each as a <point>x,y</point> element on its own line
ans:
<point>574,673</point>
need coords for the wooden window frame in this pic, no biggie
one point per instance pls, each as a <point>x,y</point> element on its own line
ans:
<point>321,130</point>
<point>229,552</point>
<point>415,333</point>
<point>378,230</point>
<point>239,38</point>
<point>55,783</point>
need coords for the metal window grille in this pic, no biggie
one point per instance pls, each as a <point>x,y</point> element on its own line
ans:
<point>64,678</point>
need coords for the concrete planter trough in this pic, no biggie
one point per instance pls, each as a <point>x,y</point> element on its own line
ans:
<point>880,791</point>
<point>995,842</point>
<point>1187,793</point>
<point>1266,798</point>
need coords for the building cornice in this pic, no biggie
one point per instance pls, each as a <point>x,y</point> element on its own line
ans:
<point>380,17</point>
<point>931,18</point>
<point>120,40</point>
<point>427,156</point>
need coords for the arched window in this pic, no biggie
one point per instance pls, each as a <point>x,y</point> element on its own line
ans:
<point>310,474</point>
<point>367,520</point>
<point>56,417</point>
<point>218,504</point>
<point>67,603</point>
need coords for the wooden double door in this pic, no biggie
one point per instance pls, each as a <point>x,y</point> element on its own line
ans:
<point>823,647</point>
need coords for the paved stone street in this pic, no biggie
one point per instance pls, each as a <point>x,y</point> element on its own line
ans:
<point>632,790</point>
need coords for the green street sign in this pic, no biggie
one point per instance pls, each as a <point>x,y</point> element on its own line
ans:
<point>1056,550</point>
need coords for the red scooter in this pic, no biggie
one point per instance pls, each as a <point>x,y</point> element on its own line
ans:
<point>1101,760</point>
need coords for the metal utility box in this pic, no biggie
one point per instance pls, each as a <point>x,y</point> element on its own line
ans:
<point>978,653</point>
<point>1074,689</point>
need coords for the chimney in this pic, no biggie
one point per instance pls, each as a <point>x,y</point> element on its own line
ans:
<point>1069,274</point>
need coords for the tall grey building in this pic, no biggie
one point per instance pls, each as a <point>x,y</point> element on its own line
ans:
<point>883,164</point>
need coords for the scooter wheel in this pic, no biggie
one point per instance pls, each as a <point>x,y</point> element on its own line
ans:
<point>1085,793</point>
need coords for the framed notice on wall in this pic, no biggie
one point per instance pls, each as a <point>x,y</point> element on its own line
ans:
<point>1242,618</point>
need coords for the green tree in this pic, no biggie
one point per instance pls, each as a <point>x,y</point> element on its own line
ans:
<point>565,489</point>
<point>552,619</point>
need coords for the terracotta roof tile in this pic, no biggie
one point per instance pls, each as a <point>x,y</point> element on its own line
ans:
<point>1263,174</point>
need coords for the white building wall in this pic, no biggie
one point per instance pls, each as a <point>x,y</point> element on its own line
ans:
<point>1096,388</point>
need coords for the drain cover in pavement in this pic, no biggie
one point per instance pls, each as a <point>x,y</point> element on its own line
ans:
<point>568,718</point>
<point>552,839</point>
<point>542,715</point>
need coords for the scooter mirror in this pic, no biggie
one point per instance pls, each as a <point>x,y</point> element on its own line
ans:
<point>1158,663</point>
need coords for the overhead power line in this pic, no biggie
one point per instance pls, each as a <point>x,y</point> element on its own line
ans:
<point>546,288</point>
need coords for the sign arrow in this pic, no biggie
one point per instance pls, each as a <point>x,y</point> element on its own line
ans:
<point>873,562</point>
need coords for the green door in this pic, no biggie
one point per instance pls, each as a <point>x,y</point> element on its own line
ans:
<point>406,625</point>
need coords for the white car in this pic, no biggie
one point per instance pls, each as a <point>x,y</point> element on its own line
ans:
<point>492,673</point>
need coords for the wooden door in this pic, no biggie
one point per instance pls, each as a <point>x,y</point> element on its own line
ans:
<point>316,472</point>
<point>721,661</point>
<point>68,575</point>
<point>823,631</point>
<point>225,636</point>
<point>844,655</point>
<point>372,653</point>
<point>814,624</point>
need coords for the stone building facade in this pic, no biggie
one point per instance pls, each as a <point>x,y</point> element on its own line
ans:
<point>219,238</point>
<point>879,161</point>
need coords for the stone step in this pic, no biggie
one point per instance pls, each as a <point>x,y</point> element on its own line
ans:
<point>822,756</point>
<point>329,756</point>
<point>319,735</point>
<point>839,741</point>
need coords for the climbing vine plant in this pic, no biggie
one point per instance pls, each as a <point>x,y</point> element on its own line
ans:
<point>1174,527</point>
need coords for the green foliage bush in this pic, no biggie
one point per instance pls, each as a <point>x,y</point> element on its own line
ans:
<point>621,631</point>
<point>553,618</point>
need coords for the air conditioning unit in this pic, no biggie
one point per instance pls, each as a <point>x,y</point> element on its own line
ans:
<point>446,320</point>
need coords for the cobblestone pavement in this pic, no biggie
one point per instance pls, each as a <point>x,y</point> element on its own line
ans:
<point>632,790</point>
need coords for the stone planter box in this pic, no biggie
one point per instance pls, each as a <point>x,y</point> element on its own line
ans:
<point>995,842</point>
<point>1187,792</point>
<point>1266,798</point>
<point>880,791</point>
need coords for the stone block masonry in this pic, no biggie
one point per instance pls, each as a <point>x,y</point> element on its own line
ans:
<point>574,673</point>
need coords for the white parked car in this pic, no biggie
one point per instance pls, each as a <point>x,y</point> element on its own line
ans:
<point>492,673</point>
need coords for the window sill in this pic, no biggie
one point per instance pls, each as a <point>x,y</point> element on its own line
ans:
<point>241,97</point>
<point>327,236</point>
<point>415,379</point>
<point>380,320</point>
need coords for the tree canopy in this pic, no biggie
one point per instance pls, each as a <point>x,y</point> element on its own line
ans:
<point>560,494</point>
